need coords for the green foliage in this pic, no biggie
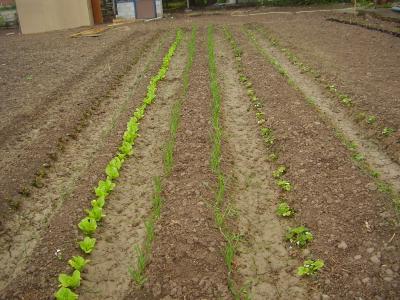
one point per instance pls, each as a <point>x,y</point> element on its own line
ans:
<point>87,244</point>
<point>138,274</point>
<point>65,294</point>
<point>126,148</point>
<point>104,188</point>
<point>68,281</point>
<point>95,213</point>
<point>99,202</point>
<point>310,267</point>
<point>299,236</point>
<point>387,131</point>
<point>358,156</point>
<point>371,120</point>
<point>88,225</point>
<point>279,172</point>
<point>284,210</point>
<point>78,263</point>
<point>284,185</point>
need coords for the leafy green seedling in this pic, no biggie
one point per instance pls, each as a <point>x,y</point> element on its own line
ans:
<point>68,281</point>
<point>78,263</point>
<point>284,185</point>
<point>126,148</point>
<point>112,171</point>
<point>332,88</point>
<point>358,157</point>
<point>345,100</point>
<point>104,188</point>
<point>310,267</point>
<point>99,202</point>
<point>65,294</point>
<point>273,157</point>
<point>299,236</point>
<point>87,244</point>
<point>278,173</point>
<point>88,225</point>
<point>95,213</point>
<point>371,120</point>
<point>387,131</point>
<point>284,210</point>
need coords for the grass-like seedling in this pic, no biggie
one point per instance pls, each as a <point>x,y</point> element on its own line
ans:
<point>299,236</point>
<point>284,210</point>
<point>310,267</point>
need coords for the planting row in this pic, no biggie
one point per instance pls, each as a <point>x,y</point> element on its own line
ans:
<point>89,224</point>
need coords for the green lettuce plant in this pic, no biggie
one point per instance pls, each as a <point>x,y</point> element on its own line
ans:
<point>310,267</point>
<point>65,294</point>
<point>284,210</point>
<point>95,213</point>
<point>78,263</point>
<point>70,281</point>
<point>87,244</point>
<point>88,225</point>
<point>299,236</point>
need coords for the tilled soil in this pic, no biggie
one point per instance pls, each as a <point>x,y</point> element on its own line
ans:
<point>73,189</point>
<point>187,261</point>
<point>67,104</point>
<point>358,61</point>
<point>328,191</point>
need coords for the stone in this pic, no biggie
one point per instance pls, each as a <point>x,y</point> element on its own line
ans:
<point>375,259</point>
<point>342,245</point>
<point>357,257</point>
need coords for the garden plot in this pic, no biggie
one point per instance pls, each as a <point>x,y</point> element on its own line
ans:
<point>206,171</point>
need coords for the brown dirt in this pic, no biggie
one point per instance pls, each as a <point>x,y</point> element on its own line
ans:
<point>187,261</point>
<point>326,184</point>
<point>36,278</point>
<point>353,59</point>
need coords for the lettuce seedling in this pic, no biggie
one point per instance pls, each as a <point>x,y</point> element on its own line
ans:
<point>126,148</point>
<point>88,225</point>
<point>78,263</point>
<point>99,202</point>
<point>95,213</point>
<point>87,244</point>
<point>104,188</point>
<point>112,171</point>
<point>68,281</point>
<point>310,267</point>
<point>65,294</point>
<point>299,236</point>
<point>284,210</point>
<point>279,172</point>
<point>284,185</point>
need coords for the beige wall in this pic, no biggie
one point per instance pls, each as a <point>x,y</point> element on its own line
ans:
<point>46,15</point>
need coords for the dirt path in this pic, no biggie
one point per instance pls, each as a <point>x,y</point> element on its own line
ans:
<point>130,202</point>
<point>187,260</point>
<point>69,188</point>
<point>360,261</point>
<point>264,262</point>
<point>373,154</point>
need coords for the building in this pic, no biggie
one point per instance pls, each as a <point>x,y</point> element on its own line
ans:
<point>47,15</point>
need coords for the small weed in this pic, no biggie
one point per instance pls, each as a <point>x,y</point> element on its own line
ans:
<point>284,185</point>
<point>358,156</point>
<point>310,267</point>
<point>387,131</point>
<point>299,236</point>
<point>284,210</point>
<point>279,172</point>
<point>345,100</point>
<point>371,120</point>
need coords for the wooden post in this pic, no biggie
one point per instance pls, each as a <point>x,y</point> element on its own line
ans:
<point>97,14</point>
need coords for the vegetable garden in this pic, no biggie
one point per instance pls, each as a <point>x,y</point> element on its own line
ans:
<point>218,167</point>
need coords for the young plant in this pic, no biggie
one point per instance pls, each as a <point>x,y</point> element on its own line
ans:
<point>284,185</point>
<point>68,281</point>
<point>99,202</point>
<point>138,274</point>
<point>95,213</point>
<point>299,236</point>
<point>371,120</point>
<point>65,294</point>
<point>87,244</point>
<point>387,131</point>
<point>88,225</point>
<point>278,173</point>
<point>78,263</point>
<point>310,267</point>
<point>284,210</point>
<point>104,188</point>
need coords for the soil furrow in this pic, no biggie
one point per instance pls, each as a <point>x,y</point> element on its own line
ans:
<point>24,155</point>
<point>187,261</point>
<point>60,204</point>
<point>360,260</point>
<point>373,154</point>
<point>130,202</point>
<point>264,263</point>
